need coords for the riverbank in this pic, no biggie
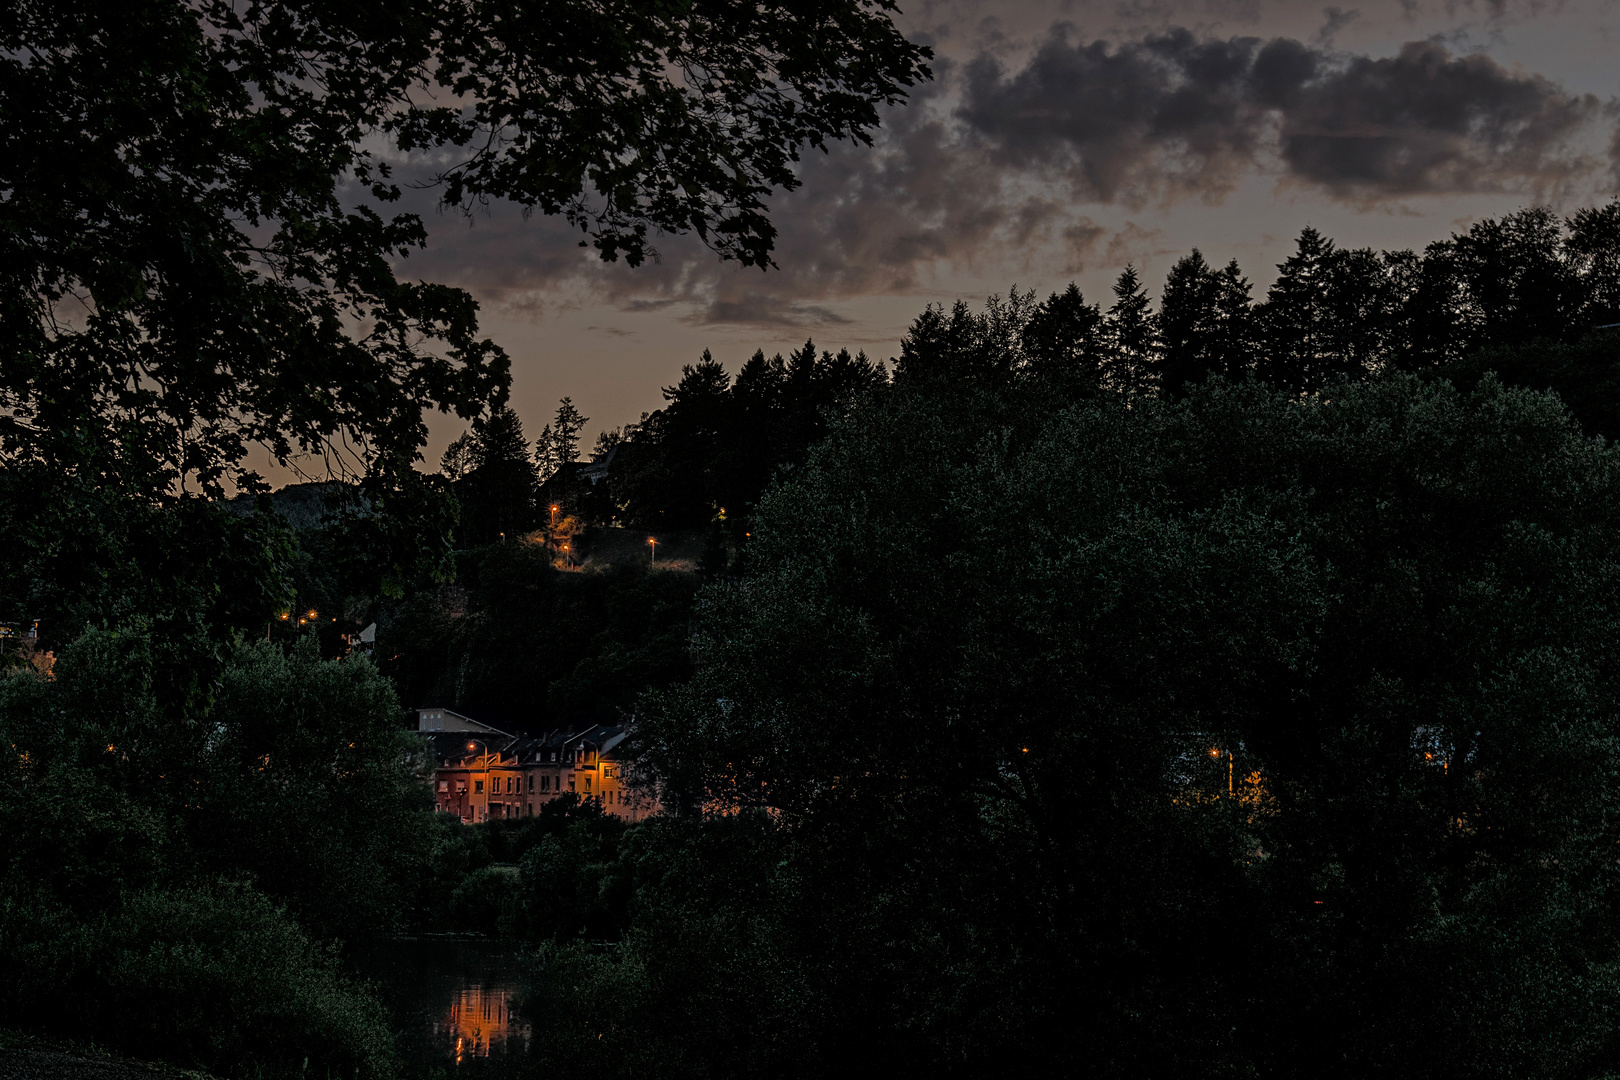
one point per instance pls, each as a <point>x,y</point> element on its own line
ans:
<point>23,1057</point>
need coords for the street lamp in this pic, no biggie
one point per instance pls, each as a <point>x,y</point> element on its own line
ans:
<point>652,542</point>
<point>1216,753</point>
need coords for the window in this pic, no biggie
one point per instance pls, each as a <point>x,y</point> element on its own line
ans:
<point>461,787</point>
<point>545,783</point>
<point>570,783</point>
<point>509,785</point>
<point>531,785</point>
<point>587,783</point>
<point>478,787</point>
<point>444,785</point>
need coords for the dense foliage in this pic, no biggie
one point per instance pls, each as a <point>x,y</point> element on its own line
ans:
<point>518,641</point>
<point>163,870</point>
<point>954,768</point>
<point>200,244</point>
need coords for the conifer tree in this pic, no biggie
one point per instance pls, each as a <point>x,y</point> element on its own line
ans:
<point>1187,324</point>
<point>565,429</point>
<point>1131,337</point>
<point>457,459</point>
<point>545,455</point>
<point>1061,344</point>
<point>1293,317</point>
<point>498,438</point>
<point>1233,335</point>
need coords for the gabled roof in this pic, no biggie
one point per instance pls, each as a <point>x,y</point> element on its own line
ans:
<point>438,718</point>
<point>453,746</point>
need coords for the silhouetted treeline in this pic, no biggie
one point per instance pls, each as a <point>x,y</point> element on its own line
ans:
<point>719,441</point>
<point>1526,295</point>
<point>1530,296</point>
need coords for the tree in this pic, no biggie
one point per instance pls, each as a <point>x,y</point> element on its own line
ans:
<point>1131,338</point>
<point>498,495</point>
<point>1517,280</point>
<point>1061,342</point>
<point>458,456</point>
<point>1187,324</point>
<point>1293,318</point>
<point>177,906</point>
<point>565,429</point>
<point>1000,773</point>
<point>198,251</point>
<point>1232,341</point>
<point>498,438</point>
<point>1594,247</point>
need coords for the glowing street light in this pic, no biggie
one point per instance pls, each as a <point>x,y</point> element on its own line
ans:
<point>1215,752</point>
<point>652,542</point>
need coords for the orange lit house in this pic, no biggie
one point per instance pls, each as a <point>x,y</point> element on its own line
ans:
<point>484,773</point>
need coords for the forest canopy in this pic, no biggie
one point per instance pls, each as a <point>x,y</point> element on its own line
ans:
<point>1241,732</point>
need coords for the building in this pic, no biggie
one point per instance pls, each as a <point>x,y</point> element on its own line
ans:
<point>483,773</point>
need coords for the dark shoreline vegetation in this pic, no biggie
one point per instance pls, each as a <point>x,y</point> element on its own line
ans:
<point>1217,685</point>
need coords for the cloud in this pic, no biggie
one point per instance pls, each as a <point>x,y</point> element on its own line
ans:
<point>1166,115</point>
<point>1172,116</point>
<point>1425,121</point>
<point>1081,237</point>
<point>1135,244</point>
<point>1004,161</point>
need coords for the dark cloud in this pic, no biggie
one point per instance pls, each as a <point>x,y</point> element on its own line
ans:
<point>1165,115</point>
<point>1081,237</point>
<point>1174,115</point>
<point>765,309</point>
<point>1334,19</point>
<point>996,161</point>
<point>1426,121</point>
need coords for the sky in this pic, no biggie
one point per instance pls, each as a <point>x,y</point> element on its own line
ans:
<point>1059,141</point>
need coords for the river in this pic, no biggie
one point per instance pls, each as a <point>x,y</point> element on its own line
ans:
<point>454,1000</point>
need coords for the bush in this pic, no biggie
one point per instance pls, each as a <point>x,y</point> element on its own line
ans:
<point>215,978</point>
<point>486,901</point>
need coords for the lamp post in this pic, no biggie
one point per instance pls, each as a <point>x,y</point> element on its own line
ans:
<point>1216,753</point>
<point>652,542</point>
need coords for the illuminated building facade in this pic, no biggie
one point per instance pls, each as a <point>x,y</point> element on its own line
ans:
<point>483,773</point>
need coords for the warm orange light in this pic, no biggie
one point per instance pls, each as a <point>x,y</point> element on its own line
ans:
<point>284,616</point>
<point>1026,749</point>
<point>313,613</point>
<point>1214,753</point>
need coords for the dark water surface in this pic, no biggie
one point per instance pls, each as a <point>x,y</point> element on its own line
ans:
<point>454,1001</point>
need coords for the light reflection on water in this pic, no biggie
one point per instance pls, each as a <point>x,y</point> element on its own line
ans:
<point>480,1018</point>
<point>455,1002</point>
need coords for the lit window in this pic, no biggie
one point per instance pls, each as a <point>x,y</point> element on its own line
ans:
<point>444,785</point>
